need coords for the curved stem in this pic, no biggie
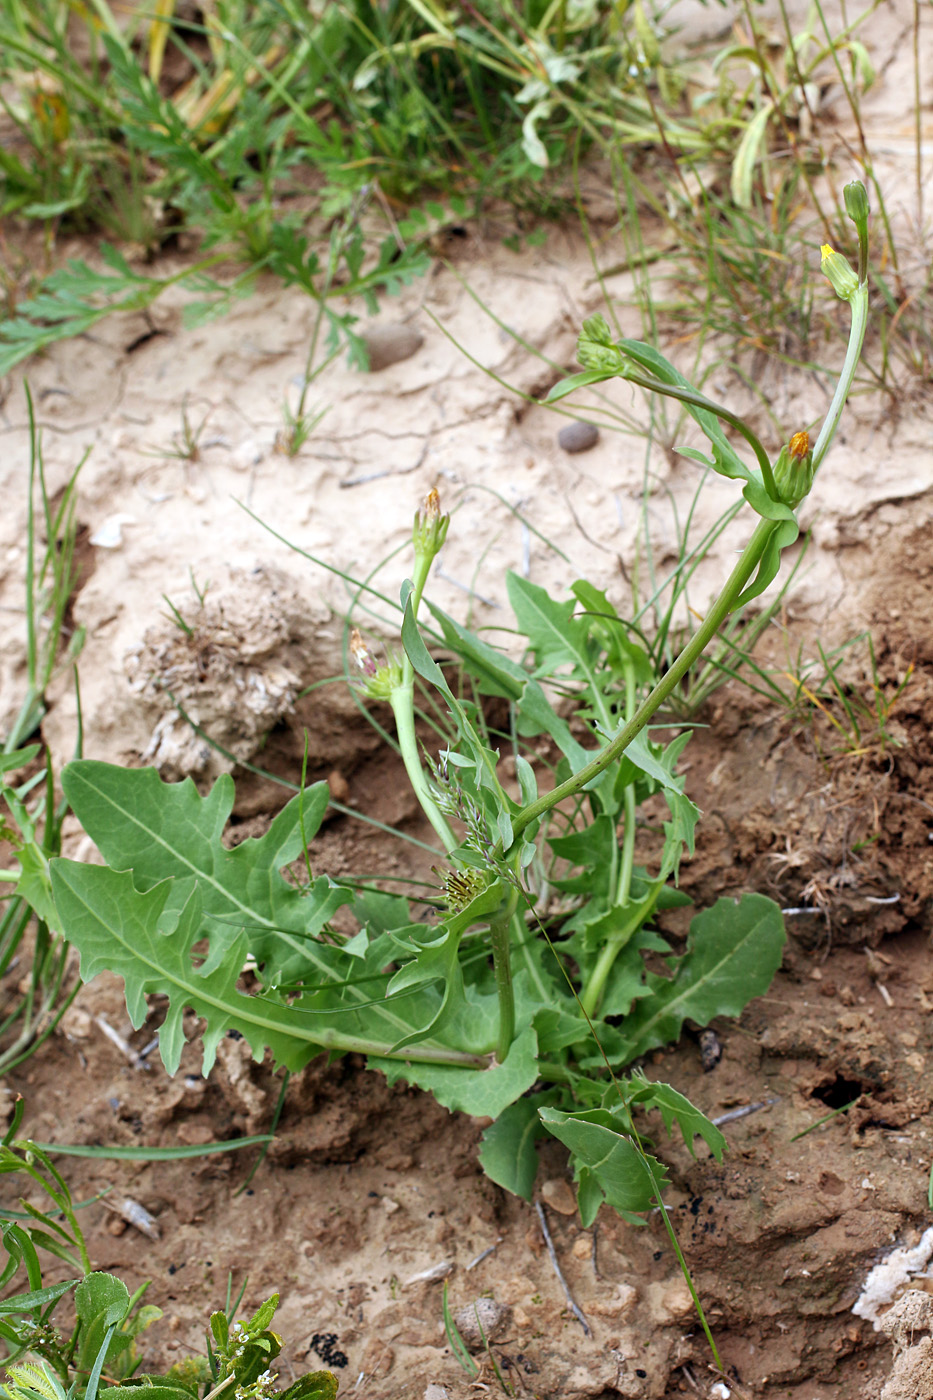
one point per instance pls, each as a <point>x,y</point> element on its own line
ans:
<point>859,305</point>
<point>402,700</point>
<point>502,964</point>
<point>676,391</point>
<point>740,576</point>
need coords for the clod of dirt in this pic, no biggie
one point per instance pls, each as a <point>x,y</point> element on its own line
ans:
<point>231,662</point>
<point>578,437</point>
<point>484,1320</point>
<point>559,1195</point>
<point>912,1376</point>
<point>387,345</point>
<point>912,1313</point>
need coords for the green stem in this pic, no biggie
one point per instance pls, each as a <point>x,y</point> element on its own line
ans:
<point>402,701</point>
<point>502,964</point>
<point>859,307</point>
<point>382,1050</point>
<point>690,396</point>
<point>738,579</point>
<point>596,986</point>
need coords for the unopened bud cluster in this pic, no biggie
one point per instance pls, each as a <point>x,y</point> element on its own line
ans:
<point>596,348</point>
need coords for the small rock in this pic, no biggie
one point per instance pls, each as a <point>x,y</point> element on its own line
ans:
<point>386,345</point>
<point>482,1321</point>
<point>910,1315</point>
<point>578,436</point>
<point>436,1392</point>
<point>109,533</point>
<point>339,787</point>
<point>625,1298</point>
<point>559,1195</point>
<point>247,454</point>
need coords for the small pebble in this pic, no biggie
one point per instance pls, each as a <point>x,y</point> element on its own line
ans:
<point>710,1050</point>
<point>560,1196</point>
<point>578,436</point>
<point>482,1321</point>
<point>436,1392</point>
<point>386,345</point>
<point>339,787</point>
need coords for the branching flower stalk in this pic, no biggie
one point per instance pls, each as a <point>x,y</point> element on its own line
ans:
<point>396,684</point>
<point>851,287</point>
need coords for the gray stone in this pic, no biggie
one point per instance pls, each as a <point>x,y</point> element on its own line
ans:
<point>578,436</point>
<point>483,1320</point>
<point>386,345</point>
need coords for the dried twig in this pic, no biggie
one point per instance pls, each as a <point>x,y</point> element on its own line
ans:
<point>491,1249</point>
<point>743,1112</point>
<point>542,1218</point>
<point>125,1048</point>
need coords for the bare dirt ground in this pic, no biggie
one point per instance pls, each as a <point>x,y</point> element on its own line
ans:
<point>367,1187</point>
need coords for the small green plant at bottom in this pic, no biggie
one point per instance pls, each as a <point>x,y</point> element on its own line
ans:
<point>98,1354</point>
<point>530,994</point>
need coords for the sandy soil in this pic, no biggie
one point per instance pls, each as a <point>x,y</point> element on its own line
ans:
<point>367,1187</point>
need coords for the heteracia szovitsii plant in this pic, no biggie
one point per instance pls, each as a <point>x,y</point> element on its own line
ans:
<point>530,994</point>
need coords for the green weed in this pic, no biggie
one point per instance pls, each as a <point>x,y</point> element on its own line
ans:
<point>33,814</point>
<point>506,1006</point>
<point>99,1355</point>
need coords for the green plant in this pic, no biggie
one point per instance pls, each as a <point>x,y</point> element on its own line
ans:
<point>99,1353</point>
<point>530,995</point>
<point>31,815</point>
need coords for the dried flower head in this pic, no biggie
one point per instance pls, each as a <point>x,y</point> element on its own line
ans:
<point>430,527</point>
<point>380,681</point>
<point>361,654</point>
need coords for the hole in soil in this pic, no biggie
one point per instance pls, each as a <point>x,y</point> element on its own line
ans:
<point>838,1091</point>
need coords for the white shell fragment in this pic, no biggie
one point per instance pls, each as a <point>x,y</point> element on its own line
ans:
<point>109,533</point>
<point>886,1279</point>
<point>134,1214</point>
<point>432,1275</point>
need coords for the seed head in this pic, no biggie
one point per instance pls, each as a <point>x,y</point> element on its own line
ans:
<point>361,654</point>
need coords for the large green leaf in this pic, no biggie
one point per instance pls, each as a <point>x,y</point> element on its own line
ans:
<point>120,929</point>
<point>556,637</point>
<point>507,1154</point>
<point>482,1092</point>
<point>146,940</point>
<point>733,951</point>
<point>168,830</point>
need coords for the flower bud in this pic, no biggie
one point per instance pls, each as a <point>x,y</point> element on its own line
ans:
<point>838,270</point>
<point>856,200</point>
<point>793,470</point>
<point>430,528</point>
<point>596,348</point>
